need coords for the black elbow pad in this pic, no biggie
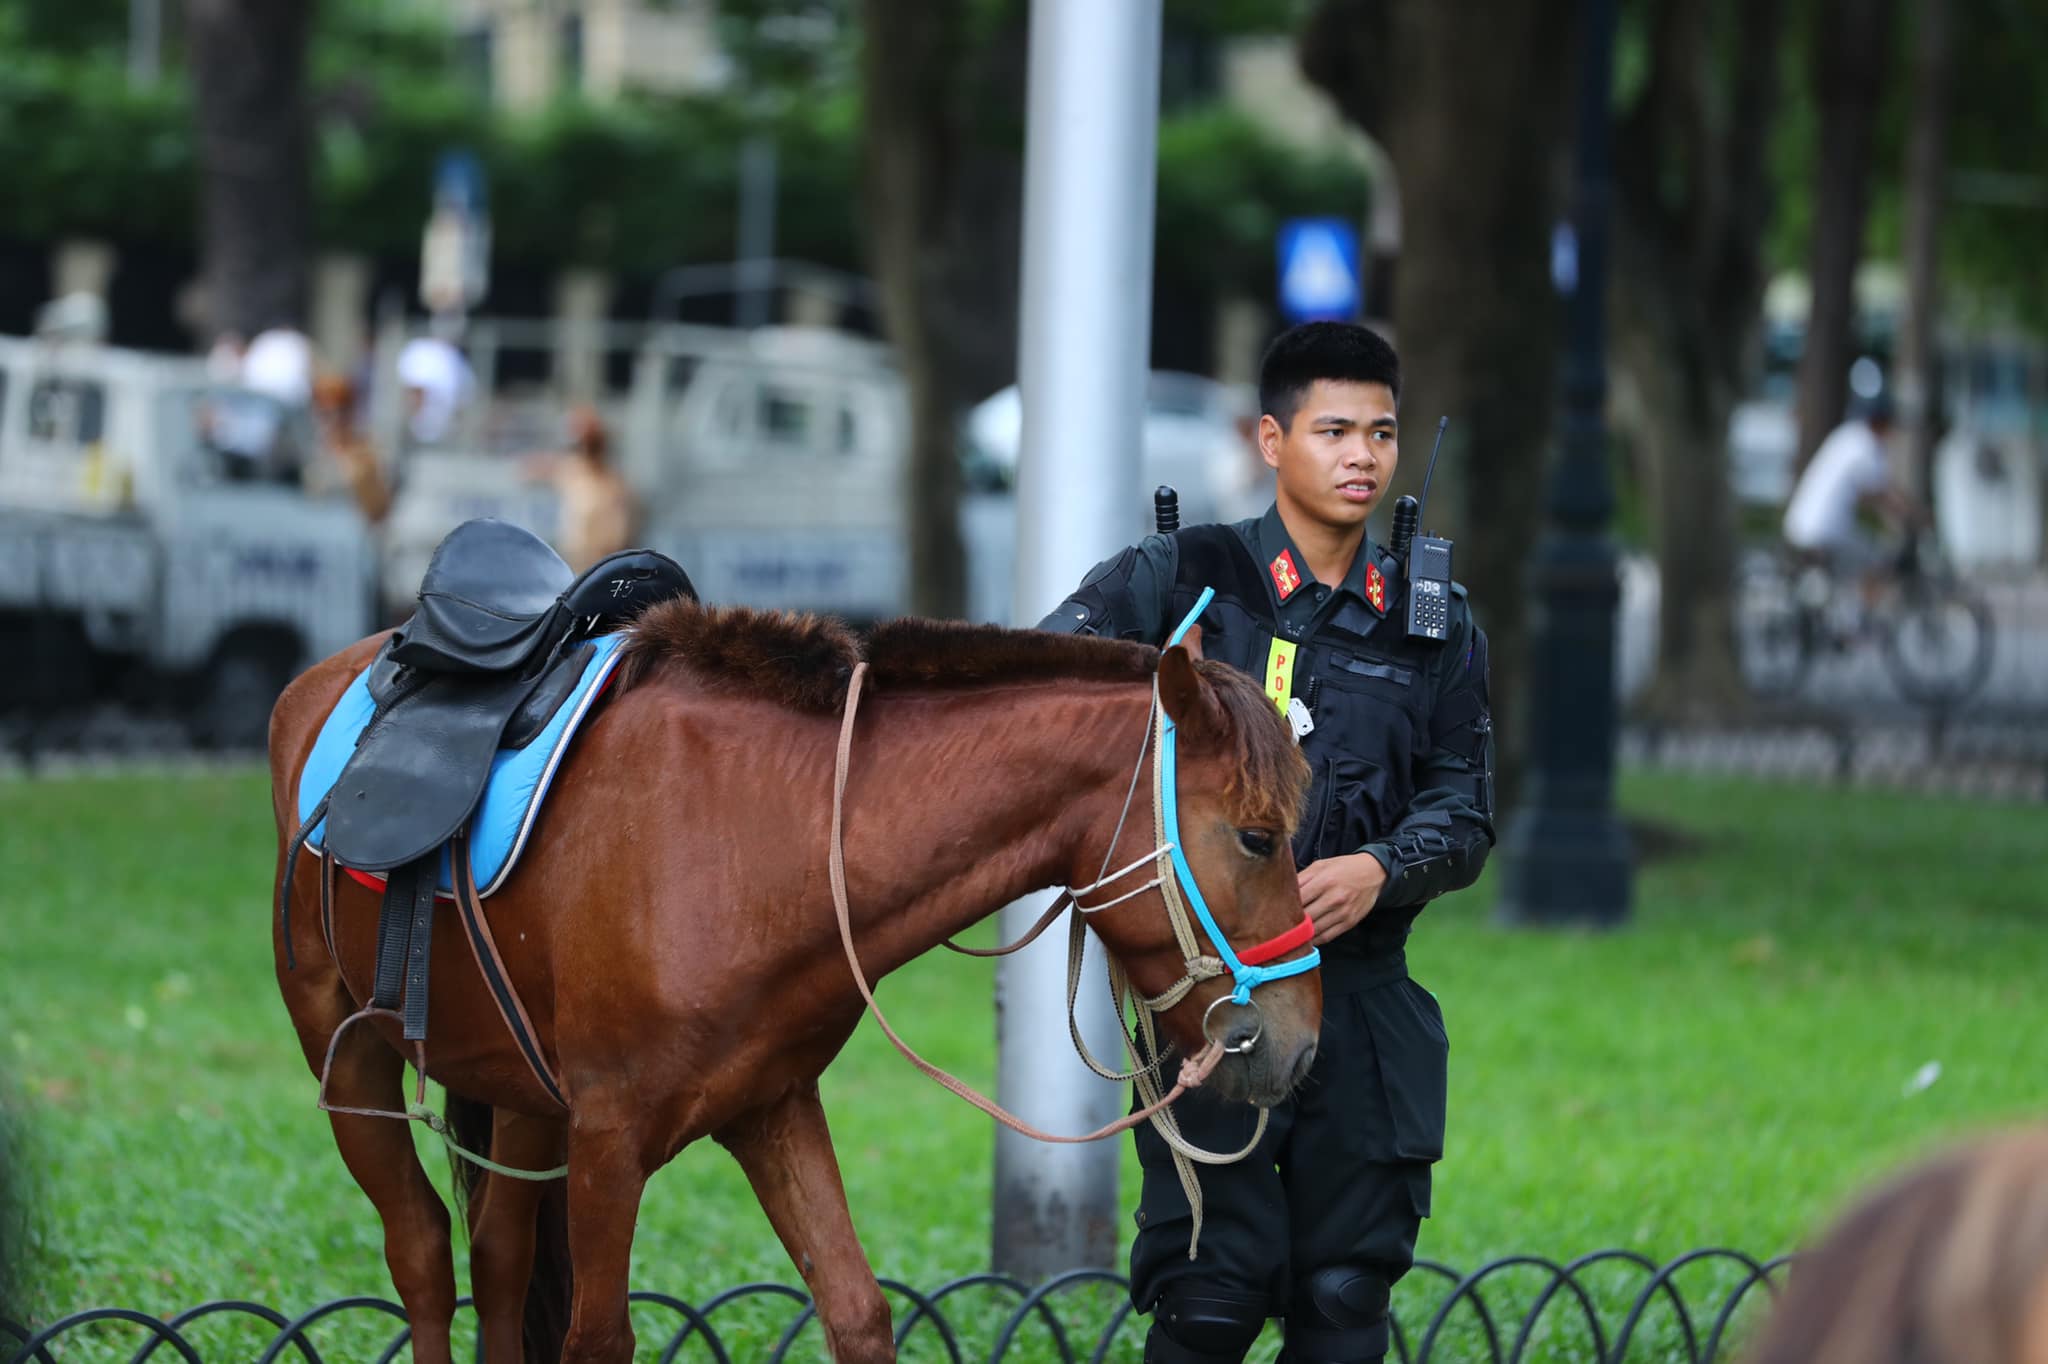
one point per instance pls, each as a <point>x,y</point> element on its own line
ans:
<point>1430,861</point>
<point>1438,873</point>
<point>1072,617</point>
<point>1102,605</point>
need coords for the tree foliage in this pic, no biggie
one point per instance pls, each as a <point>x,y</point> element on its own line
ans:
<point>636,184</point>
<point>1225,186</point>
<point>62,27</point>
<point>1996,210</point>
<point>87,153</point>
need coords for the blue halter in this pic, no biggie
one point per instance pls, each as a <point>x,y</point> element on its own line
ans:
<point>1246,976</point>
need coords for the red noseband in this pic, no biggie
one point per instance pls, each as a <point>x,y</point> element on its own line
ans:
<point>1274,948</point>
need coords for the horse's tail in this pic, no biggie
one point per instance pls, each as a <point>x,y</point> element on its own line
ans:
<point>549,1287</point>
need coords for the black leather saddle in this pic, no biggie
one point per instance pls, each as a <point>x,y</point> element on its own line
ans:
<point>482,665</point>
<point>499,641</point>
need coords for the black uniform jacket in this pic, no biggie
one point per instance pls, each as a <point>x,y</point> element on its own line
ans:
<point>1402,748</point>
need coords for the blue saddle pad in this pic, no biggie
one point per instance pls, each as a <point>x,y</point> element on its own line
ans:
<point>519,776</point>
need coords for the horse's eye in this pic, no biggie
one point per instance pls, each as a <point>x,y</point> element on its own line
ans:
<point>1257,842</point>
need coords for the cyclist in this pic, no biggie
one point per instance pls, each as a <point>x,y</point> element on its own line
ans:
<point>1847,475</point>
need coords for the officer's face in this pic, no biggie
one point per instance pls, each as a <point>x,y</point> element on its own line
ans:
<point>1338,455</point>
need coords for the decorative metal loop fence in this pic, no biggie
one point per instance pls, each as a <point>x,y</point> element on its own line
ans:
<point>1606,1307</point>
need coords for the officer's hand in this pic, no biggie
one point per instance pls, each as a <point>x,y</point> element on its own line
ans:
<point>1338,892</point>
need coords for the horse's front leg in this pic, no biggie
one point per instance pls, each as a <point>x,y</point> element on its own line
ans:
<point>786,1150</point>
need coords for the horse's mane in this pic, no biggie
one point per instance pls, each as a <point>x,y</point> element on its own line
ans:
<point>797,660</point>
<point>804,661</point>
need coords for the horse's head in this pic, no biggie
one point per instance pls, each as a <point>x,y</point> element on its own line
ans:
<point>1239,789</point>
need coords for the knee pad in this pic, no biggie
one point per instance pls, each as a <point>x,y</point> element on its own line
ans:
<point>1196,1325</point>
<point>1339,1317</point>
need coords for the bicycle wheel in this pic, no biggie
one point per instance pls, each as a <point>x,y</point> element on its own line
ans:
<point>1938,644</point>
<point>1774,634</point>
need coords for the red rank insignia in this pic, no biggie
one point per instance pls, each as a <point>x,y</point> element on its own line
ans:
<point>1376,588</point>
<point>1286,576</point>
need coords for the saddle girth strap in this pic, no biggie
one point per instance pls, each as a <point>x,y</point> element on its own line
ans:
<point>484,947</point>
<point>405,941</point>
<point>394,935</point>
<point>420,946</point>
<point>387,984</point>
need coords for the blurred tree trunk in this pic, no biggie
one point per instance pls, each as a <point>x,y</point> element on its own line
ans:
<point>249,94</point>
<point>944,184</point>
<point>1919,357</point>
<point>1693,197</point>
<point>1473,125</point>
<point>1851,50</point>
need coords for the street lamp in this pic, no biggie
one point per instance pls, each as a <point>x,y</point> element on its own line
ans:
<point>1566,857</point>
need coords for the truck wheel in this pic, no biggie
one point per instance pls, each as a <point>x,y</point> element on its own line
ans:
<point>235,697</point>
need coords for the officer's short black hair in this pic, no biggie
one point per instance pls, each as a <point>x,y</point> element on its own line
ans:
<point>1340,351</point>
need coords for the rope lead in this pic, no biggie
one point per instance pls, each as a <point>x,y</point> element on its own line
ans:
<point>419,1112</point>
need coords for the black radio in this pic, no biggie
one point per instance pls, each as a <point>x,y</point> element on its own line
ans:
<point>1426,559</point>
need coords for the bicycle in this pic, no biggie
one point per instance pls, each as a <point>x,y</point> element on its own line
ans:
<point>1933,631</point>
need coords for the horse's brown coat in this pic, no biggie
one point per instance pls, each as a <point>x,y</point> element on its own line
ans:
<point>672,934</point>
<point>804,661</point>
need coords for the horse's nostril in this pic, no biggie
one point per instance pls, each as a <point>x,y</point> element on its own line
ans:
<point>1241,1037</point>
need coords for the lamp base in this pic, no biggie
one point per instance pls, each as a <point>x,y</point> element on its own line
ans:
<point>1565,867</point>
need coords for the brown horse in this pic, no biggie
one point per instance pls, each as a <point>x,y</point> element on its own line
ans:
<point>673,935</point>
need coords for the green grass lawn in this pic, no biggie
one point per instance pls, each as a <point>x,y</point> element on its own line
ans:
<point>1723,1072</point>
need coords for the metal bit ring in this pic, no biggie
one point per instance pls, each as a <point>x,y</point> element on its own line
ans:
<point>1250,1042</point>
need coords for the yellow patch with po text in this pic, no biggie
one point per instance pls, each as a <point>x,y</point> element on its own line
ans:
<point>1280,674</point>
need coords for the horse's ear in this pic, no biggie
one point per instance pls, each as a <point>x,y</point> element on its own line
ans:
<point>1192,642</point>
<point>1188,699</point>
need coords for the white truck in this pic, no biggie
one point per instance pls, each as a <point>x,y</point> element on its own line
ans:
<point>770,463</point>
<point>773,464</point>
<point>155,546</point>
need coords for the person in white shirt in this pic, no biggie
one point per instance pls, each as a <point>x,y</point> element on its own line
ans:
<point>438,384</point>
<point>279,364</point>
<point>1846,475</point>
<point>264,385</point>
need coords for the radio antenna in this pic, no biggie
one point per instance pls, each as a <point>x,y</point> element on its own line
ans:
<point>1430,472</point>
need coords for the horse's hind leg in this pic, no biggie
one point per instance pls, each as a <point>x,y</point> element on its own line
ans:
<point>786,1150</point>
<point>379,1153</point>
<point>503,1222</point>
<point>609,1162</point>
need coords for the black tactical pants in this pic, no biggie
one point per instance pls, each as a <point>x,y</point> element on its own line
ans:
<point>1340,1181</point>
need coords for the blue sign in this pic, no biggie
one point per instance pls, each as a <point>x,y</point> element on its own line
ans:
<point>459,183</point>
<point>1319,277</point>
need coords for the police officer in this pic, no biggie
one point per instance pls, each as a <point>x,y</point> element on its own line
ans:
<point>1319,1222</point>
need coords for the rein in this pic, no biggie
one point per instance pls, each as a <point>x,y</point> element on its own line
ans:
<point>1248,969</point>
<point>1193,1071</point>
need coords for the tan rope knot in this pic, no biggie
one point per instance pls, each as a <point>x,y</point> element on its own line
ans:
<point>1195,1070</point>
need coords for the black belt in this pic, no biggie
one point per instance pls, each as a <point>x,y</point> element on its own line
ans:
<point>1346,973</point>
